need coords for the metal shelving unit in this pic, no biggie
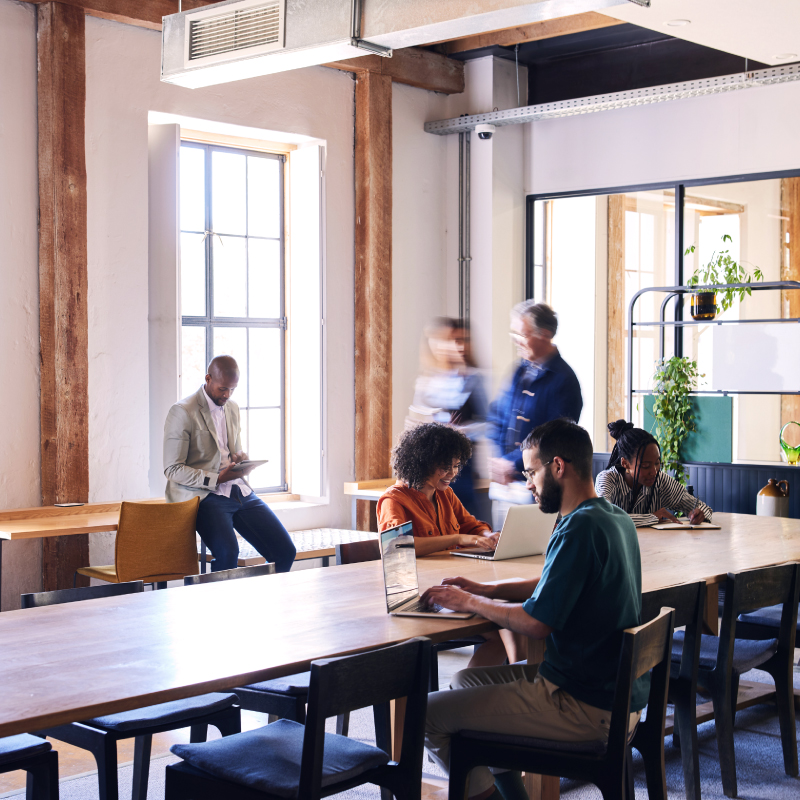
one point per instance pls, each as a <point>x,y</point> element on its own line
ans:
<point>676,292</point>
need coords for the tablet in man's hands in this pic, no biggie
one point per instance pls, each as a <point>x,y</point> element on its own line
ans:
<point>243,465</point>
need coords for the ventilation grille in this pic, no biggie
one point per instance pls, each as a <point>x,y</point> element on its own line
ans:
<point>238,30</point>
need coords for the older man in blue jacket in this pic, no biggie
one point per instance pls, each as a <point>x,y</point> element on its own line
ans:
<point>543,387</point>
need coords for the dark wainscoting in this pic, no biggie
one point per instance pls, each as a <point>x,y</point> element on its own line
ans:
<point>732,487</point>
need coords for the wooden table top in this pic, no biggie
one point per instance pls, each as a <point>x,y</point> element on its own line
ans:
<point>70,662</point>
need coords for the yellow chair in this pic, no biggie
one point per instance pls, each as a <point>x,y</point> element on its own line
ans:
<point>155,543</point>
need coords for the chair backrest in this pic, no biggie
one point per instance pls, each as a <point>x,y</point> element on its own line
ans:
<point>338,685</point>
<point>41,599</point>
<point>758,588</point>
<point>647,648</point>
<point>230,574</point>
<point>156,541</point>
<point>357,552</point>
<point>689,603</point>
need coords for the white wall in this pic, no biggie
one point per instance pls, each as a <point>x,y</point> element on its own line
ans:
<point>122,86</point>
<point>20,484</point>
<point>735,133</point>
<point>419,193</point>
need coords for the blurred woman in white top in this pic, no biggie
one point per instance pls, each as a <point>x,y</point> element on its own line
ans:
<point>450,389</point>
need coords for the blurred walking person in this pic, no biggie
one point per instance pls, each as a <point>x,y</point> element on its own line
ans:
<point>543,387</point>
<point>450,390</point>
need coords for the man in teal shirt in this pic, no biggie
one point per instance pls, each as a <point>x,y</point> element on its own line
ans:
<point>589,593</point>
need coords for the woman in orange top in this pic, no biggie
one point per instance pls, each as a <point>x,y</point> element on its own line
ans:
<point>427,458</point>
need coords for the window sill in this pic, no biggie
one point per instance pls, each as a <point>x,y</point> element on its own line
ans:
<point>288,502</point>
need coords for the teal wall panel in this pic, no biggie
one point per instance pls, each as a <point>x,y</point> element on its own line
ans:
<point>713,439</point>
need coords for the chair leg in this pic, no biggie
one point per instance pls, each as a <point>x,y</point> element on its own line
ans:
<point>734,695</point>
<point>198,733</point>
<point>106,757</point>
<point>630,792</point>
<point>383,727</point>
<point>686,723</point>
<point>784,697</point>
<point>433,683</point>
<point>42,782</point>
<point>141,766</point>
<point>230,723</point>
<point>458,779</point>
<point>723,725</point>
<point>343,724</point>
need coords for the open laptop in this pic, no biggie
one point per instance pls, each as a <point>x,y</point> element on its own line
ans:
<point>526,532</point>
<point>400,577</point>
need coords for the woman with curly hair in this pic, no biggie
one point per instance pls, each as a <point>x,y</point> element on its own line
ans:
<point>426,461</point>
<point>634,480</point>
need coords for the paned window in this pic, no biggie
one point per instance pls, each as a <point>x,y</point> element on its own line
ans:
<point>232,289</point>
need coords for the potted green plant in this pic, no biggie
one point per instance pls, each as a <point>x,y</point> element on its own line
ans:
<point>674,381</point>
<point>719,270</point>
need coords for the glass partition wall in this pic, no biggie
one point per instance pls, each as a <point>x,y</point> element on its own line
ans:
<point>589,254</point>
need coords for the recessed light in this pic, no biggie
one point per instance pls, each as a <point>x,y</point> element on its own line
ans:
<point>679,23</point>
<point>785,57</point>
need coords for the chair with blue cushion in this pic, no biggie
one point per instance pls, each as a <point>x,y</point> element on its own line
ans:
<point>608,766</point>
<point>289,760</point>
<point>37,757</point>
<point>100,735</point>
<point>741,647</point>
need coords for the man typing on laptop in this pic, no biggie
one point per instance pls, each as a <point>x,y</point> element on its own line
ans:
<point>589,592</point>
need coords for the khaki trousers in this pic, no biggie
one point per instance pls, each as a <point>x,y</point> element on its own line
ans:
<point>511,699</point>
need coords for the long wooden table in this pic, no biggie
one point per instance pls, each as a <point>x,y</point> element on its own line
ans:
<point>66,663</point>
<point>46,521</point>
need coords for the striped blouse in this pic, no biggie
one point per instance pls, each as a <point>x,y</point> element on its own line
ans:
<point>666,492</point>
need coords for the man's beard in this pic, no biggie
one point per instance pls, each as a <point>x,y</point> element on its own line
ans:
<point>551,496</point>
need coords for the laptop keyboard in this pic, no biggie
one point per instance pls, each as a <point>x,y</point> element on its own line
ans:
<point>419,606</point>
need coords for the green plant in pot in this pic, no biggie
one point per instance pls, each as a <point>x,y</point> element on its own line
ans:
<point>674,381</point>
<point>719,270</point>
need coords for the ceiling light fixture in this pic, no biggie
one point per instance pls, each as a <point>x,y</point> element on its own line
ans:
<point>679,23</point>
<point>785,57</point>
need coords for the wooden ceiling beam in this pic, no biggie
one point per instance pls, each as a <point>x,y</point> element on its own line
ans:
<point>547,29</point>
<point>412,66</point>
<point>142,13</point>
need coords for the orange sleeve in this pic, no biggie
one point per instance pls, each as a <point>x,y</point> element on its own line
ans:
<point>390,513</point>
<point>467,524</point>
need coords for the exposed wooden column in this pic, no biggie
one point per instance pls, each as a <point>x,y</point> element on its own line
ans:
<point>790,271</point>
<point>616,308</point>
<point>373,281</point>
<point>63,321</point>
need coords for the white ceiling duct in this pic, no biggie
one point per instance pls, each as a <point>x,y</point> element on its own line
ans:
<point>238,39</point>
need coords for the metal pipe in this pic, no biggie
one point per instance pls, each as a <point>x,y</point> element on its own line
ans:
<point>461,226</point>
<point>467,254</point>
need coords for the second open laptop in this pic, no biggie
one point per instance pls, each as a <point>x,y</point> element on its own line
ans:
<point>400,577</point>
<point>526,532</point>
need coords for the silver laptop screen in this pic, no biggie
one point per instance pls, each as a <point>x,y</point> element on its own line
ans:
<point>399,565</point>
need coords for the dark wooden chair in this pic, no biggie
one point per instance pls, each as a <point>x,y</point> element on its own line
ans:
<point>280,698</point>
<point>100,735</point>
<point>37,757</point>
<point>370,550</point>
<point>644,649</point>
<point>739,648</point>
<point>689,602</point>
<point>312,764</point>
<point>230,574</point>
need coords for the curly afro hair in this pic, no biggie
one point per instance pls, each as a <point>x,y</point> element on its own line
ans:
<point>426,448</point>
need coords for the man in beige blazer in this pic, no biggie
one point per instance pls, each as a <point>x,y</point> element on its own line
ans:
<point>202,444</point>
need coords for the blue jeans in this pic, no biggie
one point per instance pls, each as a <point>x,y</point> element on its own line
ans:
<point>217,516</point>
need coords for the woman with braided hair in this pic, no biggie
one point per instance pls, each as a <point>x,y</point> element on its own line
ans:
<point>634,481</point>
